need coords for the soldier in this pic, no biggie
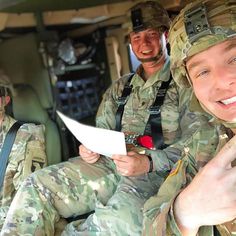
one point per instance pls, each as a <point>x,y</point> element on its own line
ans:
<point>27,153</point>
<point>115,188</point>
<point>198,198</point>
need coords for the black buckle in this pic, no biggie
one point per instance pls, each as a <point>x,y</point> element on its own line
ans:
<point>123,99</point>
<point>196,23</point>
<point>154,110</point>
<point>161,92</point>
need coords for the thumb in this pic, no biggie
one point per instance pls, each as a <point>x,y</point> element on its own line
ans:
<point>131,153</point>
<point>227,154</point>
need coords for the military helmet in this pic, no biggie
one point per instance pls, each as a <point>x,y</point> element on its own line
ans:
<point>145,15</point>
<point>5,85</point>
<point>200,25</point>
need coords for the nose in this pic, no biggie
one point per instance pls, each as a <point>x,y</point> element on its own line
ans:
<point>224,78</point>
<point>145,39</point>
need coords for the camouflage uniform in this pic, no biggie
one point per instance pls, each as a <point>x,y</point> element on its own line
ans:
<point>76,187</point>
<point>27,155</point>
<point>204,145</point>
<point>201,148</point>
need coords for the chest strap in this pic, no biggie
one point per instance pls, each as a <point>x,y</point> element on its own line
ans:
<point>153,125</point>
<point>6,149</point>
<point>122,101</point>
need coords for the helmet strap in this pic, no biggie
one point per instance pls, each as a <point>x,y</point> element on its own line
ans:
<point>152,59</point>
<point>228,124</point>
<point>2,106</point>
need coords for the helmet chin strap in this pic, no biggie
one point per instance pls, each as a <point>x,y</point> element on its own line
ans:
<point>196,105</point>
<point>156,59</point>
<point>228,124</point>
<point>2,106</point>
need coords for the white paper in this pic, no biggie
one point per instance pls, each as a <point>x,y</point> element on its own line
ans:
<point>102,141</point>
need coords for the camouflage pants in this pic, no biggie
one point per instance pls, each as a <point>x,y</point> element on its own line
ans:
<point>74,188</point>
<point>64,190</point>
<point>123,213</point>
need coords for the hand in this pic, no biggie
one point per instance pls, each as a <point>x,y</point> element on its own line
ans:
<point>87,155</point>
<point>210,199</point>
<point>131,165</point>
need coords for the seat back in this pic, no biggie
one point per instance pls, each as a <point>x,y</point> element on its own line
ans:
<point>26,107</point>
<point>22,62</point>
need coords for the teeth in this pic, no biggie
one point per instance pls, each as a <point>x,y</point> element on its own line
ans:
<point>146,51</point>
<point>229,101</point>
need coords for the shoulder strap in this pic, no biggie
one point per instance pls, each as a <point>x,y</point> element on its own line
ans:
<point>215,231</point>
<point>122,101</point>
<point>6,149</point>
<point>154,126</point>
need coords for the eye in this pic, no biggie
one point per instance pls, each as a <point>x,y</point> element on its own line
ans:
<point>153,34</point>
<point>202,74</point>
<point>232,61</point>
<point>135,37</point>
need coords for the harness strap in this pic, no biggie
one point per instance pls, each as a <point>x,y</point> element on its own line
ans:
<point>122,101</point>
<point>6,149</point>
<point>154,126</point>
<point>215,231</point>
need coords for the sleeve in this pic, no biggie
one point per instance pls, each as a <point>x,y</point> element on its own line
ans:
<point>164,160</point>
<point>105,117</point>
<point>28,155</point>
<point>158,214</point>
<point>158,217</point>
<point>33,155</point>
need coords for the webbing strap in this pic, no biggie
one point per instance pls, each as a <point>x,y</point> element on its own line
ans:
<point>6,149</point>
<point>215,231</point>
<point>154,126</point>
<point>122,101</point>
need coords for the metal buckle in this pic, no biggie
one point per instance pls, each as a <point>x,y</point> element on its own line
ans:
<point>196,23</point>
<point>128,86</point>
<point>154,110</point>
<point>131,139</point>
<point>161,92</point>
<point>122,100</point>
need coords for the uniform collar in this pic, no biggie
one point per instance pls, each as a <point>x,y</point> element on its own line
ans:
<point>7,123</point>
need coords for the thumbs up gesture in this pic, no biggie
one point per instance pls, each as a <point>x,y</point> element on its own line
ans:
<point>210,199</point>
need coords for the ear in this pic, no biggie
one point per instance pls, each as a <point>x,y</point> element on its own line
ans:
<point>7,99</point>
<point>166,33</point>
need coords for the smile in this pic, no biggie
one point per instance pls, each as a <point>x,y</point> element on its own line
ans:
<point>146,51</point>
<point>228,101</point>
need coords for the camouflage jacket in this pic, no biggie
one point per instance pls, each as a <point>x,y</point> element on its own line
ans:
<point>27,155</point>
<point>178,123</point>
<point>200,149</point>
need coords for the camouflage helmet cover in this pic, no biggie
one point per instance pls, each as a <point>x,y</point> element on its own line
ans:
<point>200,25</point>
<point>145,15</point>
<point>5,85</point>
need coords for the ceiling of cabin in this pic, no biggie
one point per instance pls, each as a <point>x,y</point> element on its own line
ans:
<point>26,6</point>
<point>22,13</point>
